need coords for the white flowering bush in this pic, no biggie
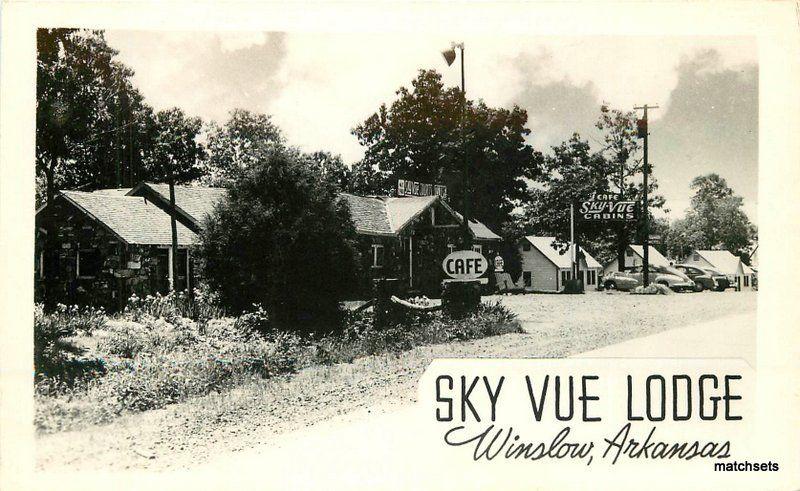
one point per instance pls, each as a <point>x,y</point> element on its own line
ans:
<point>199,305</point>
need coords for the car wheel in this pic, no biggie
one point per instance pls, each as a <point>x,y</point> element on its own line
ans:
<point>699,287</point>
<point>610,285</point>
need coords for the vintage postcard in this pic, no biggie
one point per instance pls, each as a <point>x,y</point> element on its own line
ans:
<point>399,246</point>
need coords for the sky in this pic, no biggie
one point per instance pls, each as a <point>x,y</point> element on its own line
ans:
<point>317,87</point>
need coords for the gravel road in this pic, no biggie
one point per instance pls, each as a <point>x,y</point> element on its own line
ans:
<point>191,433</point>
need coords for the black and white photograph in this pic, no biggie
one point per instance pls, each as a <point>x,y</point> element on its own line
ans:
<point>248,246</point>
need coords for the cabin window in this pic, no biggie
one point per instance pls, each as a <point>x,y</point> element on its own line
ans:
<point>527,278</point>
<point>591,277</point>
<point>478,248</point>
<point>526,246</point>
<point>566,275</point>
<point>629,253</point>
<point>182,281</point>
<point>696,257</point>
<point>88,263</point>
<point>746,281</point>
<point>377,256</point>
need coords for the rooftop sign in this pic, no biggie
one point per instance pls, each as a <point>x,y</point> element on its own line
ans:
<point>413,188</point>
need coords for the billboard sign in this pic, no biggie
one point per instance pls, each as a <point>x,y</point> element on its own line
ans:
<point>607,207</point>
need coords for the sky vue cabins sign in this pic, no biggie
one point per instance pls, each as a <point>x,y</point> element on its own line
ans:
<point>413,188</point>
<point>607,207</point>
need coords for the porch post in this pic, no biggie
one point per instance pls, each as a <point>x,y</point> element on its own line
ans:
<point>411,261</point>
<point>170,262</point>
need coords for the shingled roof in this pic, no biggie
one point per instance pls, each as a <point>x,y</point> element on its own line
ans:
<point>133,219</point>
<point>369,214</point>
<point>139,215</point>
<point>386,215</point>
<point>193,202</point>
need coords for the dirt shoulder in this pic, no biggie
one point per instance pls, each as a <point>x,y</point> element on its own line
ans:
<point>192,432</point>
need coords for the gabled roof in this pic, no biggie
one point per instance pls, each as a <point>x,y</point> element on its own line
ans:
<point>193,202</point>
<point>654,257</point>
<point>385,215</point>
<point>369,214</point>
<point>478,229</point>
<point>723,261</point>
<point>132,219</point>
<point>546,245</point>
<point>401,211</point>
<point>113,191</point>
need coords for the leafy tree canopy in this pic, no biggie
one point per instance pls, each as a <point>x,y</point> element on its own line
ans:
<point>418,137</point>
<point>236,146</point>
<point>573,172</point>
<point>715,220</point>
<point>93,128</point>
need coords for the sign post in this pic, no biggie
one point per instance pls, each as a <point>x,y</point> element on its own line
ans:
<point>461,294</point>
<point>604,207</point>
<point>642,132</point>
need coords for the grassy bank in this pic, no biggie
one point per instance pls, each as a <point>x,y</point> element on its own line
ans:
<point>91,369</point>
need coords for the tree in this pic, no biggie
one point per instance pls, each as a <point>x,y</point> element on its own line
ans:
<point>331,168</point>
<point>715,220</point>
<point>621,148</point>
<point>93,128</point>
<point>237,145</point>
<point>418,138</point>
<point>573,172</point>
<point>282,239</point>
<point>173,152</point>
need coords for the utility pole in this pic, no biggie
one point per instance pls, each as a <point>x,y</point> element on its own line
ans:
<point>450,56</point>
<point>643,133</point>
<point>173,224</point>
<point>467,196</point>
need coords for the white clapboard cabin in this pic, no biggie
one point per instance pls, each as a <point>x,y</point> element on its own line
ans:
<point>545,269</point>
<point>726,263</point>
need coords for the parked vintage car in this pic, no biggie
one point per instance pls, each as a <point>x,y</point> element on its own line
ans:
<point>723,281</point>
<point>628,280</point>
<point>703,279</point>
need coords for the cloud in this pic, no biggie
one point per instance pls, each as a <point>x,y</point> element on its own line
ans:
<point>707,122</point>
<point>205,74</point>
<point>318,86</point>
<point>556,108</point>
<point>710,124</point>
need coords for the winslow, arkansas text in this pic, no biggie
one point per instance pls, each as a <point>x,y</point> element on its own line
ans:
<point>506,443</point>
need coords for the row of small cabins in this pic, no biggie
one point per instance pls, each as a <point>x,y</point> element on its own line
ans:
<point>112,243</point>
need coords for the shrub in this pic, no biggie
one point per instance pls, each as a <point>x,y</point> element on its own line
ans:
<point>652,289</point>
<point>159,361</point>
<point>57,359</point>
<point>268,242</point>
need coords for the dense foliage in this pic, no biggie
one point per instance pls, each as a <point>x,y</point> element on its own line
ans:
<point>93,128</point>
<point>574,171</point>
<point>284,240</point>
<point>147,362</point>
<point>715,220</point>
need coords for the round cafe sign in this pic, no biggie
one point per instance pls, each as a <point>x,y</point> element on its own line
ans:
<point>465,265</point>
